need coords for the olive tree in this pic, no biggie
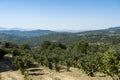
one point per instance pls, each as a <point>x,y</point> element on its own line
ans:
<point>111,64</point>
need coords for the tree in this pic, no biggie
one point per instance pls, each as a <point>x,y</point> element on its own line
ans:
<point>9,45</point>
<point>111,61</point>
<point>2,53</point>
<point>45,44</point>
<point>56,64</point>
<point>23,61</point>
<point>80,47</point>
<point>89,64</point>
<point>79,51</point>
<point>50,62</point>
<point>24,46</point>
<point>68,63</point>
<point>16,52</point>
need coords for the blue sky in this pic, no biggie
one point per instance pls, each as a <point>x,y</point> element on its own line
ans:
<point>59,14</point>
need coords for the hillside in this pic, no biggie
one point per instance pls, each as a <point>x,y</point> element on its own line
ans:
<point>109,35</point>
<point>12,38</point>
<point>61,56</point>
<point>38,36</point>
<point>31,33</point>
<point>109,31</point>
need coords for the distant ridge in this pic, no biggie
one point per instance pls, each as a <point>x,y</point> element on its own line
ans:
<point>38,32</point>
<point>36,37</point>
<point>32,33</point>
<point>114,28</point>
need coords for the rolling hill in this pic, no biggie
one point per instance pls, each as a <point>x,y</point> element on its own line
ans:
<point>36,37</point>
<point>32,33</point>
<point>111,35</point>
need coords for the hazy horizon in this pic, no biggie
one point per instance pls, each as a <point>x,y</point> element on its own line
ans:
<point>32,28</point>
<point>59,15</point>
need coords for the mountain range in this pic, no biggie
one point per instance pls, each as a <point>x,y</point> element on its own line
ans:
<point>36,37</point>
<point>32,33</point>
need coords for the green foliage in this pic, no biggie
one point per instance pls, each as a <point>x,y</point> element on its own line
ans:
<point>111,61</point>
<point>80,47</point>
<point>52,45</point>
<point>107,35</point>
<point>9,45</point>
<point>68,63</point>
<point>90,64</point>
<point>92,56</point>
<point>23,61</point>
<point>16,52</point>
<point>2,53</point>
<point>24,46</point>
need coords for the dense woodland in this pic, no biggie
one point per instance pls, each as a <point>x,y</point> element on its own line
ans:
<point>86,51</point>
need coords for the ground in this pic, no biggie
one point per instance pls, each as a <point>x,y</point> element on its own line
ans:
<point>8,72</point>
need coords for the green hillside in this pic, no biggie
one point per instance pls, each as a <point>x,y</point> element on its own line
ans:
<point>111,35</point>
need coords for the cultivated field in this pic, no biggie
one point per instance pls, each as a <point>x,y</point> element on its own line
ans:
<point>8,72</point>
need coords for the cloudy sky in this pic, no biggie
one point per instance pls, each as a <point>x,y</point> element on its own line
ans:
<point>59,14</point>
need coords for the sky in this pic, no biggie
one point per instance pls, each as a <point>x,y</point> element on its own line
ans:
<point>59,14</point>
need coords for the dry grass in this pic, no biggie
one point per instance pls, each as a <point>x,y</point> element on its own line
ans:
<point>74,74</point>
<point>43,73</point>
<point>46,74</point>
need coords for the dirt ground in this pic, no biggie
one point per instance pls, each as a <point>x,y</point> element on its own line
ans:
<point>74,74</point>
<point>8,72</point>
